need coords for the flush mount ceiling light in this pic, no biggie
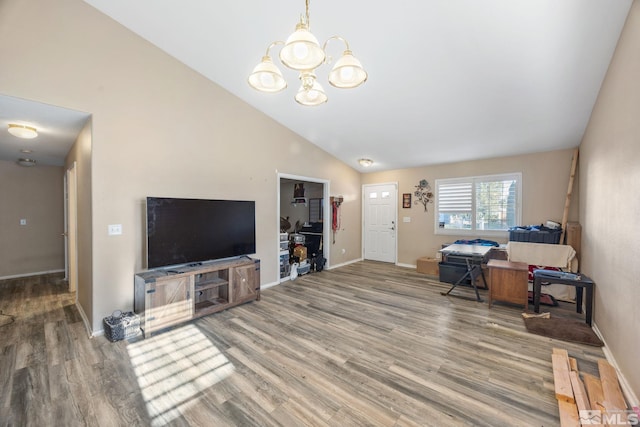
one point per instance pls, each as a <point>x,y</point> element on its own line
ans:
<point>26,162</point>
<point>22,131</point>
<point>365,162</point>
<point>302,52</point>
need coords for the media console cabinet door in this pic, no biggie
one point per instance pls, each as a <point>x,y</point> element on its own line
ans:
<point>168,302</point>
<point>245,280</point>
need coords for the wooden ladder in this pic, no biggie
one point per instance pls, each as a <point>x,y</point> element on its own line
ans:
<point>567,202</point>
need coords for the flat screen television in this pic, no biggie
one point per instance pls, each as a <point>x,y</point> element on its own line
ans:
<point>184,231</point>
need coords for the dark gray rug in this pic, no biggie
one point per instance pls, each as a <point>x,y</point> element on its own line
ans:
<point>563,329</point>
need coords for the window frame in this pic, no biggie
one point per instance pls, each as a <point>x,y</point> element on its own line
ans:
<point>474,180</point>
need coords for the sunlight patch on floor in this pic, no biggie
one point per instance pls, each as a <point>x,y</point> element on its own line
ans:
<point>174,368</point>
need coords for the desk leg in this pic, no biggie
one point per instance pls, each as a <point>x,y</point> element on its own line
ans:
<point>469,273</point>
<point>460,280</point>
<point>589,304</point>
<point>484,279</point>
<point>474,275</point>
<point>579,299</point>
<point>537,288</point>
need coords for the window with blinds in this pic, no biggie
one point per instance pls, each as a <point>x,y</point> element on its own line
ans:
<point>478,205</point>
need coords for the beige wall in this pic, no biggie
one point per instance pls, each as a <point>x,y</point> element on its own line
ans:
<point>545,179</point>
<point>80,155</point>
<point>610,206</point>
<point>34,194</point>
<point>75,57</point>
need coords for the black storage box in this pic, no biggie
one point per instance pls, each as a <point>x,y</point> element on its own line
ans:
<point>535,235</point>
<point>451,272</point>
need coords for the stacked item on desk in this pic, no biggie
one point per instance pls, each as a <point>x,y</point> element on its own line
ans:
<point>535,234</point>
<point>548,257</point>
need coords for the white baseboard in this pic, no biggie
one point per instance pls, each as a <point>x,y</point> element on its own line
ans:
<point>344,263</point>
<point>628,392</point>
<point>37,273</point>
<point>85,320</point>
<point>407,266</point>
<point>97,333</point>
<point>271,285</point>
<point>286,279</point>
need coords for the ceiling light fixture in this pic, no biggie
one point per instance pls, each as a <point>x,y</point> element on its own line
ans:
<point>26,162</point>
<point>302,52</point>
<point>365,163</point>
<point>22,131</point>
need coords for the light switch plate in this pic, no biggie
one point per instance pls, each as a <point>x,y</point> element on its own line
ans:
<point>23,221</point>
<point>115,229</point>
<point>406,219</point>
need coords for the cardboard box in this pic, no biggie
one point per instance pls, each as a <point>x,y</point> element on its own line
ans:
<point>428,266</point>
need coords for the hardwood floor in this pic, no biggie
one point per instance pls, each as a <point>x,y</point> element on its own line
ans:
<point>369,344</point>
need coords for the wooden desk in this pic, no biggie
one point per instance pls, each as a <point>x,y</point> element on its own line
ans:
<point>508,282</point>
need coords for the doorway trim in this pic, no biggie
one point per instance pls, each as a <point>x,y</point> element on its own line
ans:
<point>71,227</point>
<point>326,225</point>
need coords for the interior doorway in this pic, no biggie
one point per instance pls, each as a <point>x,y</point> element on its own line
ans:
<point>380,221</point>
<point>303,206</point>
<point>71,227</point>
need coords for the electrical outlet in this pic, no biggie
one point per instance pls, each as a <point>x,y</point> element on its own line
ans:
<point>406,219</point>
<point>115,229</point>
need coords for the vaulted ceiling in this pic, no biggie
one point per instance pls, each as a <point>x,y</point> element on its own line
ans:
<point>449,80</point>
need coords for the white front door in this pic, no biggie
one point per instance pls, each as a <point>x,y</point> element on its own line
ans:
<point>380,222</point>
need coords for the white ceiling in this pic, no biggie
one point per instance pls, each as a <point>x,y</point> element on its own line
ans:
<point>57,127</point>
<point>449,80</point>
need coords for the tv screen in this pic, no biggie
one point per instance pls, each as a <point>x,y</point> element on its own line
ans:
<point>183,231</point>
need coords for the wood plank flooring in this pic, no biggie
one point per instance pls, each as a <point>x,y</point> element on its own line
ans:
<point>369,344</point>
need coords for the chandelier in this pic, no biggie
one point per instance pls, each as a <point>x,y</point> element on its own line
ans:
<point>302,52</point>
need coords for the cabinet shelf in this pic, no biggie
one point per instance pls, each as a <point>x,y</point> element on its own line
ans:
<point>210,283</point>
<point>209,303</point>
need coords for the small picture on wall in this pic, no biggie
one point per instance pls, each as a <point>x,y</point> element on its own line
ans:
<point>406,200</point>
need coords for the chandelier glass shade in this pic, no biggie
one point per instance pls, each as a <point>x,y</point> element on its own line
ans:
<point>310,93</point>
<point>266,77</point>
<point>347,72</point>
<point>302,52</point>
